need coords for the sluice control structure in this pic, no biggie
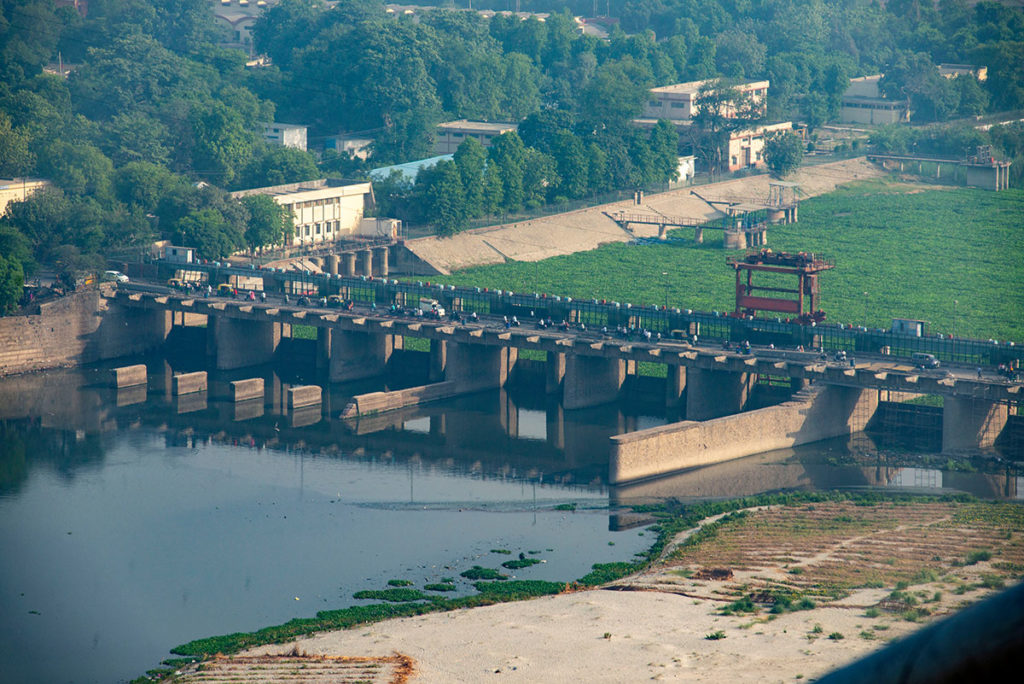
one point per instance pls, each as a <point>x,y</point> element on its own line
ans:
<point>804,266</point>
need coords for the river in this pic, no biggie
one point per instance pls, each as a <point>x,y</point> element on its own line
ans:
<point>133,521</point>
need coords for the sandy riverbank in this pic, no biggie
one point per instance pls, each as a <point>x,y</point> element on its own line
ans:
<point>921,562</point>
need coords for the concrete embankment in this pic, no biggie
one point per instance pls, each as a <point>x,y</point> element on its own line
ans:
<point>380,402</point>
<point>812,415</point>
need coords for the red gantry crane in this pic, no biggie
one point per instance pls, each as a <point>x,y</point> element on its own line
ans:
<point>805,266</point>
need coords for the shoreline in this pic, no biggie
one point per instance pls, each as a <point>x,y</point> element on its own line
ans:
<point>668,622</point>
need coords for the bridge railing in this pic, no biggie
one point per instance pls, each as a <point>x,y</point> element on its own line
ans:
<point>597,313</point>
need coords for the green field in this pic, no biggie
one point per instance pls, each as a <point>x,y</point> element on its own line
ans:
<point>952,257</point>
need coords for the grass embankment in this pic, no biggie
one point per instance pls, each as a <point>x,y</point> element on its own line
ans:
<point>671,520</point>
<point>952,257</point>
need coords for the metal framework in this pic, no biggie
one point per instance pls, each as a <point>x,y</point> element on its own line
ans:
<point>803,265</point>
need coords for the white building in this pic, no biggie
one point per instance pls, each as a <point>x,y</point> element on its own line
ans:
<point>322,210</point>
<point>678,102</point>
<point>235,19</point>
<point>288,135</point>
<point>18,190</point>
<point>451,134</point>
<point>864,103</point>
<point>359,148</point>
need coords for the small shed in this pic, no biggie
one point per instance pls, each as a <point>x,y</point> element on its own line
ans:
<point>908,326</point>
<point>180,255</point>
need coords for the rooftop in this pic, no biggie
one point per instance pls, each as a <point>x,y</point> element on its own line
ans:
<point>694,87</point>
<point>496,127</point>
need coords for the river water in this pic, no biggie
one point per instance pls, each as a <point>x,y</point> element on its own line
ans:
<point>133,521</point>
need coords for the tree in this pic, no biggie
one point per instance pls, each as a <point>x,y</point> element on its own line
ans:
<point>209,232</point>
<point>15,157</point>
<point>470,159</point>
<point>721,110</point>
<point>508,153</point>
<point>12,282</point>
<point>443,197</point>
<point>223,143</point>
<point>783,152</point>
<point>269,222</point>
<point>277,165</point>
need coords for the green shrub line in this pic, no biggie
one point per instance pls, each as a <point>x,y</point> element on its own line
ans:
<point>674,517</point>
<point>520,563</point>
<point>393,595</point>
<point>442,586</point>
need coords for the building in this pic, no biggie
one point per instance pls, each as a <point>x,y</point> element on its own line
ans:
<point>409,170</point>
<point>746,148</point>
<point>453,133</point>
<point>954,70</point>
<point>18,189</point>
<point>323,210</point>
<point>358,148</point>
<point>678,102</point>
<point>235,19</point>
<point>288,135</point>
<point>864,103</point>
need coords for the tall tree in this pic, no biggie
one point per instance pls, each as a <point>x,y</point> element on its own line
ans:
<point>268,224</point>
<point>783,152</point>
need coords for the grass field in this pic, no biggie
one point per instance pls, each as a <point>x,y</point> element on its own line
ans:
<point>952,257</point>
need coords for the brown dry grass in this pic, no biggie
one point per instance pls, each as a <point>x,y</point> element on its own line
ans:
<point>296,666</point>
<point>841,550</point>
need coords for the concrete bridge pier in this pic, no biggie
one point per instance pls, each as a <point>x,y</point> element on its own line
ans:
<point>380,261</point>
<point>591,380</point>
<point>366,257</point>
<point>969,423</point>
<point>349,264</point>
<point>357,355</point>
<point>713,394</point>
<point>675,383</point>
<point>239,343</point>
<point>333,262</point>
<point>554,373</point>
<point>323,348</point>
<point>477,367</point>
<point>438,360</point>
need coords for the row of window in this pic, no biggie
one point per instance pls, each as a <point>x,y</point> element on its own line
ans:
<point>314,229</point>
<point>675,104</point>
<point>885,106</point>
<point>315,203</point>
<point>481,138</point>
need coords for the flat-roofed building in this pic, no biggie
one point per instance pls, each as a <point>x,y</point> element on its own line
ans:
<point>451,134</point>
<point>954,70</point>
<point>235,19</point>
<point>864,103</point>
<point>323,210</point>
<point>287,135</point>
<point>18,189</point>
<point>746,148</point>
<point>678,102</point>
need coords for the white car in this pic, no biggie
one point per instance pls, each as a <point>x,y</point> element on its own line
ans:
<point>115,276</point>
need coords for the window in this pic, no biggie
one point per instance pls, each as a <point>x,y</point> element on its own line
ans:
<point>678,105</point>
<point>735,160</point>
<point>456,135</point>
<point>654,103</point>
<point>318,229</point>
<point>307,231</point>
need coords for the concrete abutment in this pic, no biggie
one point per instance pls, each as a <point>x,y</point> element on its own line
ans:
<point>357,355</point>
<point>591,380</point>
<point>713,393</point>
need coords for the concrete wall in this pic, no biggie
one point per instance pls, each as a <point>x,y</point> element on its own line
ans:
<point>813,414</point>
<point>380,402</point>
<point>80,328</point>
<point>971,423</point>
<point>477,367</point>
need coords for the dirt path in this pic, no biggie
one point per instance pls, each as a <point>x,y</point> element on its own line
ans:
<point>587,229</point>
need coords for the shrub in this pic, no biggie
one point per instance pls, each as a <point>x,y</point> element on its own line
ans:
<point>835,636</point>
<point>399,583</point>
<point>480,573</point>
<point>715,636</point>
<point>392,595</point>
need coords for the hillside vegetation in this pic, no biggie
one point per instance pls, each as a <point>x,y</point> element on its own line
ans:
<point>900,250</point>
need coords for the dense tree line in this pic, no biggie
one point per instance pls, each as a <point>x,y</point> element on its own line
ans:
<point>155,122</point>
